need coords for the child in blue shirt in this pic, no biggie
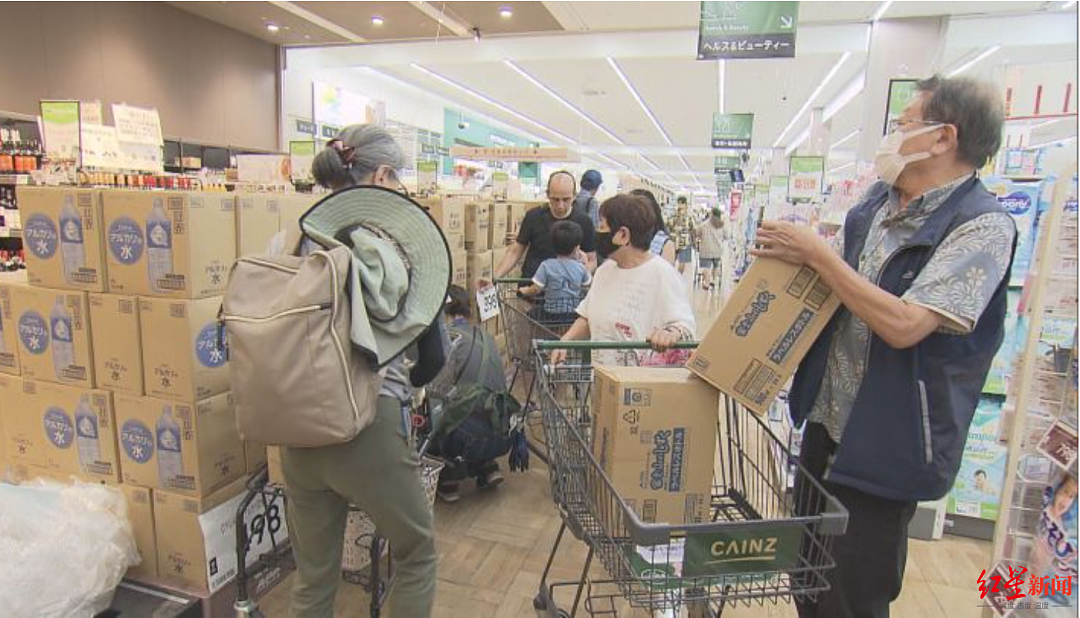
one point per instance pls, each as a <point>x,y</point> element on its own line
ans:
<point>561,279</point>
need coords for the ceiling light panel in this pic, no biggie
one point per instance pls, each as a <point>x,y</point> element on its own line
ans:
<point>561,100</point>
<point>638,99</point>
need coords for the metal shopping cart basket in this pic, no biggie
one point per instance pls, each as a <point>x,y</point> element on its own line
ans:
<point>671,569</point>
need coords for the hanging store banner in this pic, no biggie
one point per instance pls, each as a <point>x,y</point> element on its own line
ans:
<point>60,126</point>
<point>901,92</point>
<point>90,113</point>
<point>778,188</point>
<point>741,30</point>
<point>301,158</point>
<point>732,130</point>
<point>806,177</point>
<point>516,153</point>
<point>722,166</point>
<point>427,173</point>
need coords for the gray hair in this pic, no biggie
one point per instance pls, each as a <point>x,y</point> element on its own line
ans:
<point>974,107</point>
<point>372,147</point>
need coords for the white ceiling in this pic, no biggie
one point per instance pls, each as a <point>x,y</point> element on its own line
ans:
<point>654,44</point>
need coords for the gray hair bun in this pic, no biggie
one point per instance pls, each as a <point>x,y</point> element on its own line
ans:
<point>372,148</point>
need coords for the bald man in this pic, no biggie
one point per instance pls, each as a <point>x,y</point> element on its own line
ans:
<point>534,237</point>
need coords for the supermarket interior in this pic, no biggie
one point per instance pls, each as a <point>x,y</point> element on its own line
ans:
<point>562,308</point>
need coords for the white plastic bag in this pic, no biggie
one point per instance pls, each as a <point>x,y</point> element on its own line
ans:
<point>64,549</point>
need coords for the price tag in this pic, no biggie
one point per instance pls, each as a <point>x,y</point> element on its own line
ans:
<point>488,301</point>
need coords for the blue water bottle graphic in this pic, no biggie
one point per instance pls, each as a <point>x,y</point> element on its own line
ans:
<point>63,344</point>
<point>170,458</point>
<point>71,239</point>
<point>159,243</point>
<point>86,434</point>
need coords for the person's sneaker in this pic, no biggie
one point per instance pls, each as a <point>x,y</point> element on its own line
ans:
<point>449,493</point>
<point>490,480</point>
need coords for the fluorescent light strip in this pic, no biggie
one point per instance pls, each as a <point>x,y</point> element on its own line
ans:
<point>640,101</point>
<point>799,139</point>
<point>1067,5</point>
<point>881,11</point>
<point>489,101</point>
<point>325,24</point>
<point>842,167</point>
<point>846,138</point>
<point>825,82</point>
<point>440,16</point>
<point>976,60</point>
<point>1051,143</point>
<point>567,104</point>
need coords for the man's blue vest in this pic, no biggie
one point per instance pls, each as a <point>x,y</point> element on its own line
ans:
<point>907,428</point>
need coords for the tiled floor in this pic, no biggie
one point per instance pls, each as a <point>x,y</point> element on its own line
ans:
<point>493,547</point>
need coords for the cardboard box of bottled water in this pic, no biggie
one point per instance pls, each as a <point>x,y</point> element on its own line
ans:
<point>196,537</point>
<point>187,448</point>
<point>459,264</point>
<point>140,513</point>
<point>258,219</point>
<point>9,330</point>
<point>169,243</point>
<point>183,351</point>
<point>64,431</point>
<point>115,335</point>
<point>292,206</point>
<point>448,213</point>
<point>63,237</point>
<point>478,226</point>
<point>53,328</point>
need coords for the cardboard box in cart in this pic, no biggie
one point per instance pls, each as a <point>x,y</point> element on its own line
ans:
<point>54,335</point>
<point>64,431</point>
<point>188,448</point>
<point>62,231</point>
<point>764,331</point>
<point>656,440</point>
<point>183,353</point>
<point>117,343</point>
<point>169,243</point>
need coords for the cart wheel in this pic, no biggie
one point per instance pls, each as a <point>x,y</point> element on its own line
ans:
<point>562,613</point>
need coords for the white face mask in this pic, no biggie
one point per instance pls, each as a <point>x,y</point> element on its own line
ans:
<point>888,162</point>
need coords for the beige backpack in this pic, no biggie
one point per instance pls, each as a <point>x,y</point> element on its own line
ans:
<point>296,379</point>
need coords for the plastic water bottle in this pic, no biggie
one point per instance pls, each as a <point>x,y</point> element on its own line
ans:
<point>159,243</point>
<point>170,457</point>
<point>63,345</point>
<point>86,434</point>
<point>71,239</point>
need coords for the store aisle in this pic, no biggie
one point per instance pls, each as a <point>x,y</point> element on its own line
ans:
<point>493,547</point>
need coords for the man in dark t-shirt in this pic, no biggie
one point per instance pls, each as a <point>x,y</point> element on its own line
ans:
<point>534,237</point>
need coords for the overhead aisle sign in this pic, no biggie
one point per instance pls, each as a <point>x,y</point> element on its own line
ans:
<point>806,177</point>
<point>741,30</point>
<point>732,130</point>
<point>723,165</point>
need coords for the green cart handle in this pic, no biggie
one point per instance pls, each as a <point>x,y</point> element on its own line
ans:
<point>511,280</point>
<point>608,345</point>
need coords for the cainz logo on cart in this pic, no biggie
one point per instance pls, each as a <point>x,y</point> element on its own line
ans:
<point>757,308</point>
<point>763,548</point>
<point>41,236</point>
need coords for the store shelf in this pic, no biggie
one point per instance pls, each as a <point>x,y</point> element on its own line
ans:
<point>10,233</point>
<point>14,179</point>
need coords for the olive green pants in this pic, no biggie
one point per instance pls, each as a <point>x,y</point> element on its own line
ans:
<point>379,472</point>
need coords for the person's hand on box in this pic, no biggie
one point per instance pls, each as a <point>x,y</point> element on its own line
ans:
<point>795,244</point>
<point>558,357</point>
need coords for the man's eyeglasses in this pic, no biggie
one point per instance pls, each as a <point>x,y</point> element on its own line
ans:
<point>899,123</point>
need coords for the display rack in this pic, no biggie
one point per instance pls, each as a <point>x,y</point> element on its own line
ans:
<point>1037,393</point>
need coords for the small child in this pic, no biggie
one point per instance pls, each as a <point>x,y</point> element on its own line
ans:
<point>561,279</point>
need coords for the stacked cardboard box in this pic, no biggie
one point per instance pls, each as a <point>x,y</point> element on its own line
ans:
<point>112,366</point>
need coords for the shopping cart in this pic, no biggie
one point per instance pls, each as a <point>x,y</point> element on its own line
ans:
<point>669,569</point>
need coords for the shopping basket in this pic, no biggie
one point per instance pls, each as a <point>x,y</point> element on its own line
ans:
<point>668,568</point>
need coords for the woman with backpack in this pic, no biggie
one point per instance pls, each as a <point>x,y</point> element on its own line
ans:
<point>404,276</point>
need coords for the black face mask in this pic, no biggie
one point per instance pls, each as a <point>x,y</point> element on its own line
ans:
<point>605,246</point>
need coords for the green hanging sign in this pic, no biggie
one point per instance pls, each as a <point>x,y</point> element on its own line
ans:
<point>723,165</point>
<point>741,30</point>
<point>732,130</point>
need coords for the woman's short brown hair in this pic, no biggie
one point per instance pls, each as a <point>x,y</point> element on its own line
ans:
<point>634,214</point>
